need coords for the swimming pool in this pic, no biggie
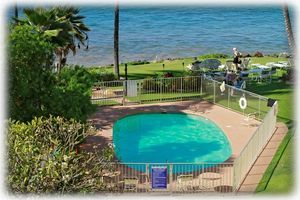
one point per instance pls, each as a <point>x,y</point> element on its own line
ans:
<point>169,138</point>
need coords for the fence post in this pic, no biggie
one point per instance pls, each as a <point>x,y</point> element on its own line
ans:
<point>233,177</point>
<point>201,79</point>
<point>228,97</point>
<point>181,82</point>
<point>161,82</point>
<point>171,177</point>
<point>139,85</point>
<point>259,107</point>
<point>124,91</point>
<point>147,174</point>
<point>214,92</point>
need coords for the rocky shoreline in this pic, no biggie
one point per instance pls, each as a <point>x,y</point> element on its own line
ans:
<point>204,56</point>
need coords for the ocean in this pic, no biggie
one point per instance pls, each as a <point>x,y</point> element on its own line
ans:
<point>160,32</point>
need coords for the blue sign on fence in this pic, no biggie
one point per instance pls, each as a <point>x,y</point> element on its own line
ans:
<point>159,177</point>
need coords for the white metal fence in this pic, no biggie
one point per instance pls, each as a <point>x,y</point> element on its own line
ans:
<point>137,177</point>
<point>177,89</point>
<point>251,151</point>
<point>180,177</point>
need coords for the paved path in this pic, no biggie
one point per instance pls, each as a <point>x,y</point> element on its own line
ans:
<point>261,164</point>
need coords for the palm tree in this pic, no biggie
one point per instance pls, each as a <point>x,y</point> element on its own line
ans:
<point>16,11</point>
<point>289,30</point>
<point>62,25</point>
<point>116,41</point>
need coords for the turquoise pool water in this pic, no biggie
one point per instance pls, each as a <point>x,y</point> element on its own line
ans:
<point>169,138</point>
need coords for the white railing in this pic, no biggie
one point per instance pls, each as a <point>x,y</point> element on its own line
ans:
<point>177,89</point>
<point>179,177</point>
<point>108,93</point>
<point>251,151</point>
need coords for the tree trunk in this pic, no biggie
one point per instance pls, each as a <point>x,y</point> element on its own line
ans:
<point>289,30</point>
<point>116,41</point>
<point>16,11</point>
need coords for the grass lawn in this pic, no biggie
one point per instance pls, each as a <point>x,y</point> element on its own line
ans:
<point>174,66</point>
<point>278,180</point>
<point>282,180</point>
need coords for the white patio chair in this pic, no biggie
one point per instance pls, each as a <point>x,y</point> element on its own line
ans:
<point>265,75</point>
<point>245,63</point>
<point>184,182</point>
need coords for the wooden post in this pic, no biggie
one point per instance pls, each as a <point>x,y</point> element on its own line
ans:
<point>126,78</point>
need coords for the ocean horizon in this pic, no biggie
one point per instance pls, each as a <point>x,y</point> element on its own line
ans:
<point>161,32</point>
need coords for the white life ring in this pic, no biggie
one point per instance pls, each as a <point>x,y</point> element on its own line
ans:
<point>243,103</point>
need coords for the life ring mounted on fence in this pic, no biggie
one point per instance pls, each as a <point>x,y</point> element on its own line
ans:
<point>243,103</point>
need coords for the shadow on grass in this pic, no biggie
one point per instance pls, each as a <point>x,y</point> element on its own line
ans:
<point>267,88</point>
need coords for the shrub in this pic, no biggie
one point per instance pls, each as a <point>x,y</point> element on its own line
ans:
<point>43,157</point>
<point>34,89</point>
<point>217,55</point>
<point>71,97</point>
<point>168,74</point>
<point>151,85</point>
<point>30,78</point>
<point>100,74</point>
<point>138,62</point>
<point>190,83</point>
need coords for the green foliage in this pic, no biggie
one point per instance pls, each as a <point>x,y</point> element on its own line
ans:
<point>151,85</point>
<point>217,55</point>
<point>100,74</point>
<point>43,157</point>
<point>170,84</point>
<point>34,90</point>
<point>138,62</point>
<point>71,96</point>
<point>30,78</point>
<point>62,25</point>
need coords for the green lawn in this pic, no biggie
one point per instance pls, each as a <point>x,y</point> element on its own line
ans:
<point>282,180</point>
<point>174,66</point>
<point>279,176</point>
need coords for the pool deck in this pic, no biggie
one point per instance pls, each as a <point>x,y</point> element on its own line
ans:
<point>237,129</point>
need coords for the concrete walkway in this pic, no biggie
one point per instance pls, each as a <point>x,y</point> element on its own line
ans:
<point>261,164</point>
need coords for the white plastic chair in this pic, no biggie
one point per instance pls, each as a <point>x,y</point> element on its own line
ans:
<point>264,75</point>
<point>245,63</point>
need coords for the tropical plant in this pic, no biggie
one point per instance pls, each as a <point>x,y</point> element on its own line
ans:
<point>44,157</point>
<point>116,41</point>
<point>34,90</point>
<point>63,25</point>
